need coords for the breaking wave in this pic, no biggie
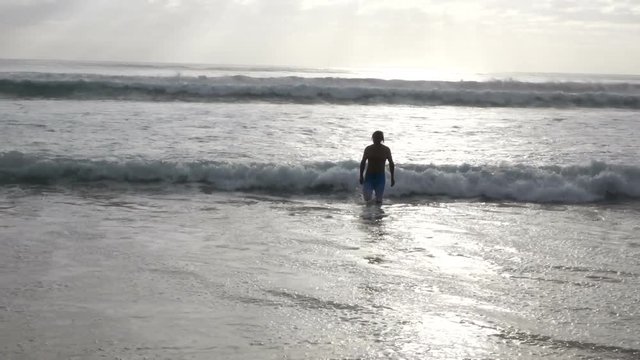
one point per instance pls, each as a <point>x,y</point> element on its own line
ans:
<point>321,90</point>
<point>592,182</point>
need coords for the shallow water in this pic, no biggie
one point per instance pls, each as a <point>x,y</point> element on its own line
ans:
<point>169,273</point>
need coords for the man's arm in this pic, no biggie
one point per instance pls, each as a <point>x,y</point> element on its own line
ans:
<point>363,164</point>
<point>391,168</point>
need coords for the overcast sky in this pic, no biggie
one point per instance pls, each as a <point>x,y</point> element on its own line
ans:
<point>593,36</point>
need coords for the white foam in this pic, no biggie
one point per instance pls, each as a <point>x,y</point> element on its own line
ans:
<point>574,184</point>
<point>318,90</point>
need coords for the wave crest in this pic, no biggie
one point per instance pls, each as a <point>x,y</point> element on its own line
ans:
<point>596,181</point>
<point>322,90</point>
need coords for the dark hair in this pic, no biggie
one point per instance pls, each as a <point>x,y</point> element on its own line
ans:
<point>377,136</point>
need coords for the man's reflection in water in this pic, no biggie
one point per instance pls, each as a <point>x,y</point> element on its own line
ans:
<point>372,222</point>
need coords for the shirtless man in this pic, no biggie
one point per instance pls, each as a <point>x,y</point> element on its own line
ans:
<point>377,155</point>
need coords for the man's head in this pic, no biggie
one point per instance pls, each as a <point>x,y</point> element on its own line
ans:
<point>377,137</point>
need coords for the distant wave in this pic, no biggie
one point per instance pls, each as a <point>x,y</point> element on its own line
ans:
<point>321,90</point>
<point>550,184</point>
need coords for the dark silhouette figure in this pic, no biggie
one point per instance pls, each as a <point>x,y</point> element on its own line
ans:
<point>374,159</point>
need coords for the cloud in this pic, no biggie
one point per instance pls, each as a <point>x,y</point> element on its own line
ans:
<point>16,13</point>
<point>544,35</point>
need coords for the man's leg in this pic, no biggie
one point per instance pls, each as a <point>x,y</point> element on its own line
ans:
<point>379,189</point>
<point>367,190</point>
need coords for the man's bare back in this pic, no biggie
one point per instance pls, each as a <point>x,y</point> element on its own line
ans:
<point>377,155</point>
<point>374,159</point>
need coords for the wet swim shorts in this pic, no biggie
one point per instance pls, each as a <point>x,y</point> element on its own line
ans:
<point>373,182</point>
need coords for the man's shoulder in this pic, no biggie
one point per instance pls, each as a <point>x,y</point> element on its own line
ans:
<point>377,149</point>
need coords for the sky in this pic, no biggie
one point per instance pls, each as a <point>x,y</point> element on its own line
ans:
<point>574,36</point>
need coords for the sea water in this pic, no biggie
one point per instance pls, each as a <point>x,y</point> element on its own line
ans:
<point>201,212</point>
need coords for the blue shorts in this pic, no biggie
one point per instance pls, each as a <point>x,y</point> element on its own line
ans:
<point>373,182</point>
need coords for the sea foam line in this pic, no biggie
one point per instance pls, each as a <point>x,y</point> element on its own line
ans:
<point>321,90</point>
<point>591,182</point>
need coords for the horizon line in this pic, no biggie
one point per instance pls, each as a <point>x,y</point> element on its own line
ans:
<point>341,69</point>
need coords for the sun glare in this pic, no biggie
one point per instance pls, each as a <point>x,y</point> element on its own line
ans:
<point>399,73</point>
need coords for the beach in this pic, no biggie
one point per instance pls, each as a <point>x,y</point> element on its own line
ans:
<point>217,214</point>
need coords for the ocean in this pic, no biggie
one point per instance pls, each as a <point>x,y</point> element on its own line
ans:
<point>172,211</point>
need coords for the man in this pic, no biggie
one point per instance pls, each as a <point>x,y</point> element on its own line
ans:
<point>376,155</point>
